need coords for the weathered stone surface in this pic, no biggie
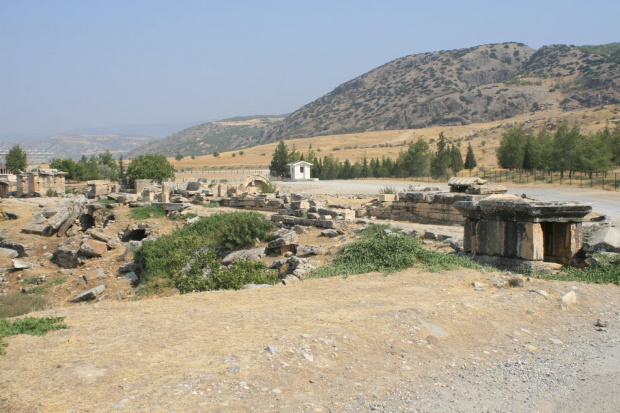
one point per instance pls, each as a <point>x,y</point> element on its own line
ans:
<point>22,265</point>
<point>130,247</point>
<point>603,240</point>
<point>22,249</point>
<point>132,277</point>
<point>284,237</point>
<point>309,250</point>
<point>93,248</point>
<point>36,229</point>
<point>329,233</point>
<point>128,267</point>
<point>569,298</point>
<point>68,253</point>
<point>247,254</point>
<point>90,294</point>
<point>8,253</point>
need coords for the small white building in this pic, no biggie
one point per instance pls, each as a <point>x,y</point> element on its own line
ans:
<point>300,171</point>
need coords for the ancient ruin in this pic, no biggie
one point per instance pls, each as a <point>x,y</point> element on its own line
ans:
<point>41,183</point>
<point>513,232</point>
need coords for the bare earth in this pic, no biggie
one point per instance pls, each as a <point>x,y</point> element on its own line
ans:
<point>407,342</point>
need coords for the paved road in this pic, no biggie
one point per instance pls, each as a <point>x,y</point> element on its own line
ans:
<point>603,202</point>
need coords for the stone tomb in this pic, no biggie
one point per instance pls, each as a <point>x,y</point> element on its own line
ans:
<point>523,231</point>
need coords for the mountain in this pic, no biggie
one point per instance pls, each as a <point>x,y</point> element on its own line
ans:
<point>74,146</point>
<point>240,132</point>
<point>458,87</point>
<point>445,88</point>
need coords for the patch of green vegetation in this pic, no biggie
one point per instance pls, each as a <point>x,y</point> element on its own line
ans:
<point>269,188</point>
<point>146,212</point>
<point>166,255</point>
<point>29,325</point>
<point>238,274</point>
<point>388,190</point>
<point>603,49</point>
<point>105,201</point>
<point>607,271</point>
<point>388,254</point>
<point>41,289</point>
<point>182,217</point>
<point>16,304</point>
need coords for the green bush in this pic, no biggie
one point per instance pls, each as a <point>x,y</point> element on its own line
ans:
<point>238,274</point>
<point>607,271</point>
<point>389,190</point>
<point>29,325</point>
<point>387,254</point>
<point>169,253</point>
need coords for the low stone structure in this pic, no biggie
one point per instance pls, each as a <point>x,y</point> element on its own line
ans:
<point>39,183</point>
<point>475,186</point>
<point>99,188</point>
<point>524,233</point>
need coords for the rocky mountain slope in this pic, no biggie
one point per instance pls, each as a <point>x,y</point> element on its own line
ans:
<point>445,88</point>
<point>212,137</point>
<point>457,87</point>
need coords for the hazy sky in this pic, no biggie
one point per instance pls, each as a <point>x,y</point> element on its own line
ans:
<point>86,63</point>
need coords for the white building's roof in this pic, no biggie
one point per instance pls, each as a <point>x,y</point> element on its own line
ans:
<point>304,163</point>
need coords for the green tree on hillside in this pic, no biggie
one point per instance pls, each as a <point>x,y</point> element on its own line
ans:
<point>510,151</point>
<point>456,159</point>
<point>418,158</point>
<point>279,161</point>
<point>470,158</point>
<point>441,161</point>
<point>16,160</point>
<point>150,166</point>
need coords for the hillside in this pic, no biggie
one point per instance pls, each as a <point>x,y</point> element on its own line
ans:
<point>212,137</point>
<point>74,146</point>
<point>459,87</point>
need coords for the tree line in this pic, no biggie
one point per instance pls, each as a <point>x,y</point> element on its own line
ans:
<point>565,150</point>
<point>417,161</point>
<point>102,166</point>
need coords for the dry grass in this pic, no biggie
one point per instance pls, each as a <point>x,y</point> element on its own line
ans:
<point>356,145</point>
<point>335,338</point>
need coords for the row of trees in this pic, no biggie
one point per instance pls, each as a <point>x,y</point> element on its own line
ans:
<point>102,166</point>
<point>417,161</point>
<point>568,149</point>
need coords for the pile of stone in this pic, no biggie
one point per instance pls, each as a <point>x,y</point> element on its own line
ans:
<point>248,200</point>
<point>292,268</point>
<point>303,210</point>
<point>72,252</point>
<point>475,186</point>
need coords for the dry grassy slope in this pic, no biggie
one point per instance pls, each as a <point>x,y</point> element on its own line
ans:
<point>484,138</point>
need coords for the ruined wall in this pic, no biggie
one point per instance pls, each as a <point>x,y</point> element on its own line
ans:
<point>426,207</point>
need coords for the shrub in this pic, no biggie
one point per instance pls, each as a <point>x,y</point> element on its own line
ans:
<point>169,253</point>
<point>607,271</point>
<point>50,193</point>
<point>269,188</point>
<point>238,274</point>
<point>388,190</point>
<point>387,254</point>
<point>29,325</point>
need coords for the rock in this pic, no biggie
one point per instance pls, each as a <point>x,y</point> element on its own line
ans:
<point>132,277</point>
<point>556,341</point>
<point>284,237</point>
<point>22,249</point>
<point>246,254</point>
<point>430,235</point>
<point>271,350</point>
<point>455,244</point>
<point>479,285</point>
<point>541,292</point>
<point>329,233</point>
<point>92,248</point>
<point>254,286</point>
<point>516,281</point>
<point>96,274</point>
<point>90,294</point>
<point>8,253</point>
<point>300,229</point>
<point>128,267</point>
<point>289,279</point>
<point>22,265</point>
<point>569,298</point>
<point>498,281</point>
<point>308,250</point>
<point>68,253</point>
<point>606,239</point>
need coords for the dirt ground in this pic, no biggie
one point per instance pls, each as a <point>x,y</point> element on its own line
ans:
<point>408,342</point>
<point>411,341</point>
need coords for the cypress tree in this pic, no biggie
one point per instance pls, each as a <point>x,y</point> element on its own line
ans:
<point>279,161</point>
<point>470,159</point>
